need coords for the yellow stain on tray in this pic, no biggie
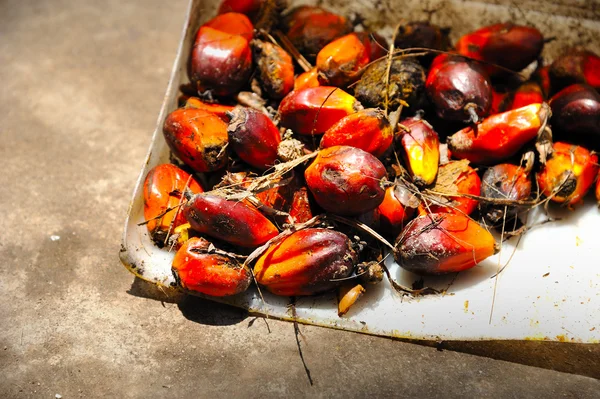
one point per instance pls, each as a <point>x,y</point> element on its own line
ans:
<point>466,306</point>
<point>578,241</point>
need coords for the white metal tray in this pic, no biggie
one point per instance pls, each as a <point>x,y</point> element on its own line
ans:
<point>550,290</point>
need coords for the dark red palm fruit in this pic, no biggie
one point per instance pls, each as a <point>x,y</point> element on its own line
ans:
<point>499,136</point>
<point>420,149</point>
<point>528,93</point>
<point>368,129</point>
<point>300,211</point>
<point>507,182</point>
<point>275,69</point>
<point>466,182</point>
<point>311,28</point>
<point>217,109</point>
<point>249,8</point>
<point>421,34</point>
<point>307,79</point>
<point>234,222</point>
<point>441,243</point>
<point>198,138</point>
<point>575,66</point>
<point>164,188</point>
<point>506,44</point>
<point>220,62</point>
<point>393,215</point>
<point>253,137</point>
<point>233,23</point>
<point>346,180</point>
<point>197,269</point>
<point>376,45</point>
<point>307,262</point>
<point>576,114</point>
<point>542,77</point>
<point>340,62</point>
<point>569,173</point>
<point>315,109</point>
<point>406,84</point>
<point>459,89</point>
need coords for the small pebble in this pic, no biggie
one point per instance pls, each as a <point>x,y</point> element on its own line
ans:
<point>54,237</point>
<point>58,396</point>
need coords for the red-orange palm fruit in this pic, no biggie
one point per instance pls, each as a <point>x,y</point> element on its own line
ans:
<point>217,109</point>
<point>368,129</point>
<point>499,101</point>
<point>340,62</point>
<point>316,109</point>
<point>220,62</point>
<point>306,262</point>
<point>165,187</point>
<point>459,88</point>
<point>375,44</point>
<point>528,93</point>
<point>499,136</point>
<point>542,77</point>
<point>466,181</point>
<point>506,44</point>
<point>197,137</point>
<point>300,210</point>
<point>246,7</point>
<point>393,215</point>
<point>310,28</point>
<point>576,114</point>
<point>232,221</point>
<point>307,79</point>
<point>507,182</point>
<point>346,180</point>
<point>275,69</point>
<point>253,137</point>
<point>197,269</point>
<point>291,198</point>
<point>568,174</point>
<point>233,23</point>
<point>598,188</point>
<point>420,149</point>
<point>575,66</point>
<point>441,243</point>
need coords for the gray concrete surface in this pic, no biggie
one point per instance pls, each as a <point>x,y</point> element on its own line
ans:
<point>81,86</point>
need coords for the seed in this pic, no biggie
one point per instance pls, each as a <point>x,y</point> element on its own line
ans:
<point>164,188</point>
<point>231,221</point>
<point>506,44</point>
<point>576,114</point>
<point>459,89</point>
<point>253,137</point>
<point>347,296</point>
<point>504,181</point>
<point>346,180</point>
<point>442,243</point>
<point>275,69</point>
<point>499,136</point>
<point>198,138</point>
<point>196,269</point>
<point>220,62</point>
<point>568,174</point>
<point>368,129</point>
<point>316,109</point>
<point>339,62</point>
<point>306,262</point>
<point>420,149</point>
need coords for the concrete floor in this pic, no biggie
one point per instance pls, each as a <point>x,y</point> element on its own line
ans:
<point>81,86</point>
